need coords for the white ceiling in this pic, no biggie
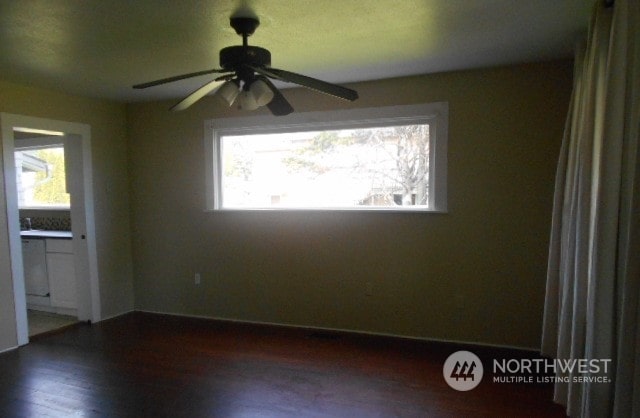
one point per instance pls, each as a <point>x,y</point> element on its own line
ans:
<point>100,48</point>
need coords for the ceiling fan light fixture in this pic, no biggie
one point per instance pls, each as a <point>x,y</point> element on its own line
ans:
<point>261,92</point>
<point>248,101</point>
<point>247,71</point>
<point>229,91</point>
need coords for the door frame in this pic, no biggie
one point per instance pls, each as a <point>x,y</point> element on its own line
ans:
<point>84,239</point>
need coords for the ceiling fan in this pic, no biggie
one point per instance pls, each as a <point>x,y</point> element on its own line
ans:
<point>246,73</point>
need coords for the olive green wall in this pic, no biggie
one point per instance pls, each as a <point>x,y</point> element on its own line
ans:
<point>109,159</point>
<point>475,274</point>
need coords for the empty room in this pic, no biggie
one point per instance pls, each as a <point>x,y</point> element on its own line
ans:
<point>329,208</point>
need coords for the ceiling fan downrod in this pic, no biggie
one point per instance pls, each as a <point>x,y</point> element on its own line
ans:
<point>236,58</point>
<point>245,27</point>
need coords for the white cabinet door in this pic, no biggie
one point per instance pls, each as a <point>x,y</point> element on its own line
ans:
<point>62,280</point>
<point>35,267</point>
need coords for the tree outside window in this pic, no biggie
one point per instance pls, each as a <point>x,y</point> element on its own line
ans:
<point>41,177</point>
<point>384,167</point>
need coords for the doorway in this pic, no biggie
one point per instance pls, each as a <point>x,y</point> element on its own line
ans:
<point>76,138</point>
<point>43,174</point>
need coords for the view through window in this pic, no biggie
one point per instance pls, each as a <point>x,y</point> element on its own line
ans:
<point>40,175</point>
<point>373,167</point>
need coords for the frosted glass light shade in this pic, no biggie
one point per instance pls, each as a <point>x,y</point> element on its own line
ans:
<point>261,92</point>
<point>228,92</point>
<point>247,101</point>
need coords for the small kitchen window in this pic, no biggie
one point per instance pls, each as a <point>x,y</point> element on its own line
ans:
<point>41,178</point>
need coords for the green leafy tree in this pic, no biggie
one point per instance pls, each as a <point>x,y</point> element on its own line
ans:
<point>50,185</point>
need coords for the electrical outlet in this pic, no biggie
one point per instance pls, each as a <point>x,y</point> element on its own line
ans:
<point>197,278</point>
<point>368,290</point>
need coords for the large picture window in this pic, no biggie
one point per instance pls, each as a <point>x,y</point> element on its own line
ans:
<point>368,159</point>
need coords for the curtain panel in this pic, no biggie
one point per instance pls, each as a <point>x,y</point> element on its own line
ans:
<point>593,279</point>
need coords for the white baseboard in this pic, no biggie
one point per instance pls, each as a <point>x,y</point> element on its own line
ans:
<point>9,349</point>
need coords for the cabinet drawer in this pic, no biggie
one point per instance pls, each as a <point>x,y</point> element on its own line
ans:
<point>60,246</point>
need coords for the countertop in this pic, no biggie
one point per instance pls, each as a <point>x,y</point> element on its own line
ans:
<point>35,233</point>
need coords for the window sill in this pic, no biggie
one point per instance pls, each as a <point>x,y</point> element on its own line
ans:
<point>329,210</point>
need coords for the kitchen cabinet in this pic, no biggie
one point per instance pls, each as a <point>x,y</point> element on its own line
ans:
<point>36,281</point>
<point>61,272</point>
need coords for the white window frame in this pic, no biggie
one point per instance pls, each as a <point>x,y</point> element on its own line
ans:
<point>434,114</point>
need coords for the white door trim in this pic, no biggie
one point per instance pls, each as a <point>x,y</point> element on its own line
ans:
<point>91,290</point>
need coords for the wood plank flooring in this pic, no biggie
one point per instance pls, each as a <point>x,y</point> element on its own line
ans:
<point>147,365</point>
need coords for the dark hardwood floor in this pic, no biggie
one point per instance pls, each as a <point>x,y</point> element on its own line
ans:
<point>145,365</point>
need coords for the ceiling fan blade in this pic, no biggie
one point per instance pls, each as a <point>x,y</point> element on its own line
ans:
<point>176,78</point>
<point>279,106</point>
<point>197,95</point>
<point>312,83</point>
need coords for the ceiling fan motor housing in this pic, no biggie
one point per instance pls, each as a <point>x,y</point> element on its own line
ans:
<point>234,57</point>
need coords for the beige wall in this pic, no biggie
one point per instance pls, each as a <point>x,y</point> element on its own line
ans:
<point>475,274</point>
<point>109,154</point>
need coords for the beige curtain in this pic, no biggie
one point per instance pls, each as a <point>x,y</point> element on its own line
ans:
<point>593,282</point>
